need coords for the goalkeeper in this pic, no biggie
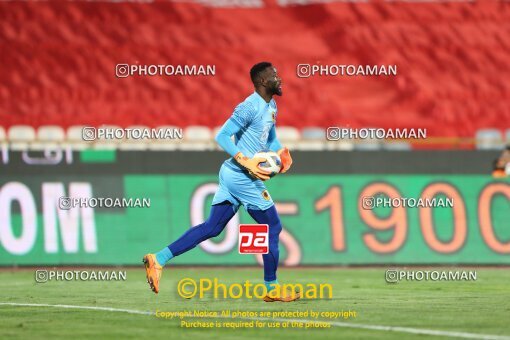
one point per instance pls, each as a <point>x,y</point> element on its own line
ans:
<point>241,181</point>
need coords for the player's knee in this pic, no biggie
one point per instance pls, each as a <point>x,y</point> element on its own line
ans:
<point>206,228</point>
<point>276,231</point>
<point>275,228</point>
<point>214,229</point>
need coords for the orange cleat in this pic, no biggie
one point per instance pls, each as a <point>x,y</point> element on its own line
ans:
<point>281,295</point>
<point>153,271</point>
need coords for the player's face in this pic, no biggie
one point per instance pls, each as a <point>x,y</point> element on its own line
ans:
<point>273,81</point>
<point>503,159</point>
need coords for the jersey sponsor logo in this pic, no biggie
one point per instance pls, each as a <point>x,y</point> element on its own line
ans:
<point>265,195</point>
<point>253,239</point>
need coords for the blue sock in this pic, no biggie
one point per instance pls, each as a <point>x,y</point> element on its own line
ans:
<point>270,285</point>
<point>164,256</point>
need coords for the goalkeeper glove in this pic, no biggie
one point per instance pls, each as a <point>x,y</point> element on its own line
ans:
<point>286,159</point>
<point>252,165</point>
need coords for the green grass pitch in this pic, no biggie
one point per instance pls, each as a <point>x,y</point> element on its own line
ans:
<point>472,307</point>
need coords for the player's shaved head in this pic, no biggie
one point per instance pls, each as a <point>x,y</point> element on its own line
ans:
<point>266,80</point>
<point>257,70</point>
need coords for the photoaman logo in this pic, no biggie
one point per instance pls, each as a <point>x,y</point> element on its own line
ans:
<point>253,239</point>
<point>189,288</point>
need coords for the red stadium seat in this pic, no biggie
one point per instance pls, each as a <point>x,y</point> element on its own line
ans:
<point>452,63</point>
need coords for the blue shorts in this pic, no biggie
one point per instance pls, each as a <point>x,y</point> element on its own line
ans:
<point>237,187</point>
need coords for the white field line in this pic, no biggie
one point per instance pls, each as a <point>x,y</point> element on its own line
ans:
<point>333,323</point>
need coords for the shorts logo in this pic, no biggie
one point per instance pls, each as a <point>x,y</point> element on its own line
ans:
<point>253,239</point>
<point>265,195</point>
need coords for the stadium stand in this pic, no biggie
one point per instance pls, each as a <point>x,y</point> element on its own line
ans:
<point>488,139</point>
<point>451,58</point>
<point>136,143</point>
<point>397,146</point>
<point>20,136</point>
<point>3,136</point>
<point>165,144</point>
<point>108,143</point>
<point>197,138</point>
<point>74,138</point>
<point>313,138</point>
<point>48,136</point>
<point>288,136</point>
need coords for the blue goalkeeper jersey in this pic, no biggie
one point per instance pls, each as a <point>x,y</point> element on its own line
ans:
<point>257,119</point>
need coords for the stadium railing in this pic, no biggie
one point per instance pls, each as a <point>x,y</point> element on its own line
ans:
<point>196,138</point>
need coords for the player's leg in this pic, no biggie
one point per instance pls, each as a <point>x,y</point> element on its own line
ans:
<point>275,291</point>
<point>213,226</point>
<point>271,218</point>
<point>256,199</point>
<point>223,209</point>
